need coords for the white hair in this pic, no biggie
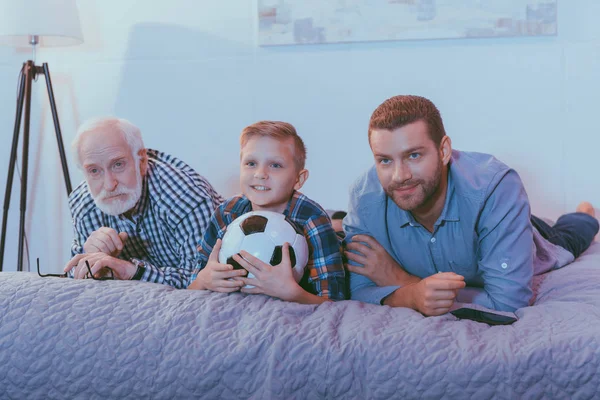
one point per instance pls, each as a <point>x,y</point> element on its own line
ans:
<point>131,134</point>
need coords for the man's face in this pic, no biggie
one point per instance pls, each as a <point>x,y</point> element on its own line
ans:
<point>113,175</point>
<point>409,165</point>
<point>268,174</point>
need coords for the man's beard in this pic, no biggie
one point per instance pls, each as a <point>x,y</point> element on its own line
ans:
<point>422,195</point>
<point>121,205</point>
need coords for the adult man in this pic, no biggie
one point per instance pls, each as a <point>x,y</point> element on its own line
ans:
<point>426,221</point>
<point>139,212</point>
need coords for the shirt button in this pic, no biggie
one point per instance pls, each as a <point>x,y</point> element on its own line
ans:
<point>432,240</point>
<point>504,265</point>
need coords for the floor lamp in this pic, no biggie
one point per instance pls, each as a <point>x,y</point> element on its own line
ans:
<point>34,23</point>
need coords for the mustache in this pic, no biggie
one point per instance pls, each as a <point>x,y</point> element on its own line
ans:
<point>104,194</point>
<point>403,185</point>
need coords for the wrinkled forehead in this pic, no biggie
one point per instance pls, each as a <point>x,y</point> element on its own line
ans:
<point>100,146</point>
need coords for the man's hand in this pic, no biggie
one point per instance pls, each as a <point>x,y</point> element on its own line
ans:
<point>98,261</point>
<point>433,295</point>
<point>105,240</point>
<point>275,281</point>
<point>377,264</point>
<point>216,276</point>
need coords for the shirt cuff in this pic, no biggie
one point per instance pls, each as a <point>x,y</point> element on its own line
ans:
<point>373,294</point>
<point>474,295</point>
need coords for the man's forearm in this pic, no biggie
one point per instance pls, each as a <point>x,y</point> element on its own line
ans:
<point>172,276</point>
<point>401,297</point>
<point>403,278</point>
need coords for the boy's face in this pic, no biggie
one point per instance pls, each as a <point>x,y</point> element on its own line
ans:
<point>268,174</point>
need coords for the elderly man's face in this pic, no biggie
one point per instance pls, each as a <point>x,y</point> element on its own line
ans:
<point>112,173</point>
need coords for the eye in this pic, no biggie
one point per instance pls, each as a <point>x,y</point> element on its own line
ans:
<point>276,165</point>
<point>250,164</point>
<point>414,156</point>
<point>118,165</point>
<point>93,171</point>
<point>385,161</point>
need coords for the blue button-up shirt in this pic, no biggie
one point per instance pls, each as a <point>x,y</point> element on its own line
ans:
<point>484,233</point>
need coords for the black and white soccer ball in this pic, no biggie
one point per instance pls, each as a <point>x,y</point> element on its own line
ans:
<point>262,234</point>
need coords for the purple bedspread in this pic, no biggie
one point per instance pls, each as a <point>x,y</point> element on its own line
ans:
<point>61,338</point>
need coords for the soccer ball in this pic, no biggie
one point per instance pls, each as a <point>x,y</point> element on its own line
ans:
<point>262,234</point>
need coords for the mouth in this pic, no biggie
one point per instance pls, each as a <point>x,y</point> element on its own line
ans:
<point>406,189</point>
<point>114,196</point>
<point>260,188</point>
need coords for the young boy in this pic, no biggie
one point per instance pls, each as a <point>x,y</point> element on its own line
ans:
<point>271,173</point>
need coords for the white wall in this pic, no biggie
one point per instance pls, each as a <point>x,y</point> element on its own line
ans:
<point>190,74</point>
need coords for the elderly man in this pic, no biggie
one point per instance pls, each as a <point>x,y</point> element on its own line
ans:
<point>427,220</point>
<point>139,212</point>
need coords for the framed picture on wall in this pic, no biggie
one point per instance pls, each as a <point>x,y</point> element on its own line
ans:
<point>288,22</point>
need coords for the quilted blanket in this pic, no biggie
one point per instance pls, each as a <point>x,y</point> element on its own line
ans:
<point>61,338</point>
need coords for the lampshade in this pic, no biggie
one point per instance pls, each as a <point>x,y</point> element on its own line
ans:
<point>56,22</point>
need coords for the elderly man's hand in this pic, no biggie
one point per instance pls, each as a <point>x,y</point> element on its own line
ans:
<point>105,240</point>
<point>377,264</point>
<point>98,261</point>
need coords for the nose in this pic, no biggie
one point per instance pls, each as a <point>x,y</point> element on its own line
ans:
<point>110,181</point>
<point>402,173</point>
<point>260,173</point>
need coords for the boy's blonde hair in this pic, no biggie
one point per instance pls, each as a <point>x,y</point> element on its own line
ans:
<point>279,131</point>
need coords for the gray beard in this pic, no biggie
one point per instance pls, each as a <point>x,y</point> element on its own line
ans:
<point>118,207</point>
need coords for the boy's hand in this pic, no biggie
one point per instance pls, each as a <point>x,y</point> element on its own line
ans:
<point>216,276</point>
<point>276,281</point>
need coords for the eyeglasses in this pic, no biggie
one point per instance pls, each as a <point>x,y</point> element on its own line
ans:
<point>89,274</point>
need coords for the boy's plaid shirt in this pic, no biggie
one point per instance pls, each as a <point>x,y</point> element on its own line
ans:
<point>326,276</point>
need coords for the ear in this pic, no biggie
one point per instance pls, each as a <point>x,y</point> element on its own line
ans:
<point>446,149</point>
<point>302,177</point>
<point>143,161</point>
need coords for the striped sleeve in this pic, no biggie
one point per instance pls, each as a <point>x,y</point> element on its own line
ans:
<point>187,233</point>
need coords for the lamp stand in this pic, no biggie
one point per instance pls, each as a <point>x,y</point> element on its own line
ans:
<point>28,73</point>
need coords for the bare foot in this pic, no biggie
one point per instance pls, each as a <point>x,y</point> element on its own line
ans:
<point>585,207</point>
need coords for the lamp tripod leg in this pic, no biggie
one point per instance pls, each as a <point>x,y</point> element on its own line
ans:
<point>12,162</point>
<point>59,140</point>
<point>29,74</point>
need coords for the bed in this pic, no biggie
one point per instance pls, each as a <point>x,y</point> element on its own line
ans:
<point>61,338</point>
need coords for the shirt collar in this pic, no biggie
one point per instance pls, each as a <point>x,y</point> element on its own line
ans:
<point>404,217</point>
<point>140,206</point>
<point>291,203</point>
<point>450,211</point>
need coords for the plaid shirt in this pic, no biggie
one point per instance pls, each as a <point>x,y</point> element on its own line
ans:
<point>326,276</point>
<point>167,222</point>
